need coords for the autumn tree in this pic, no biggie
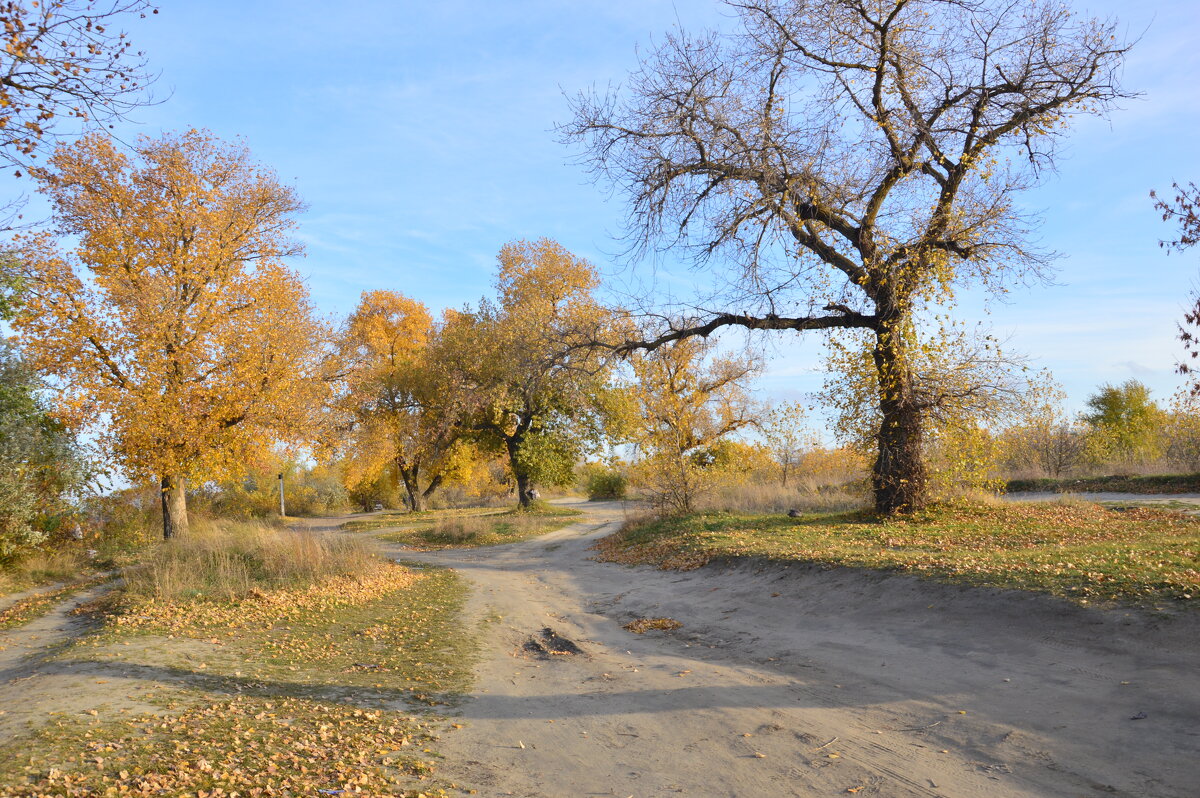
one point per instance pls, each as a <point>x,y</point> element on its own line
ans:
<point>1125,422</point>
<point>1042,434</point>
<point>853,161</point>
<point>401,408</point>
<point>535,388</point>
<point>785,431</point>
<point>1184,210</point>
<point>166,311</point>
<point>1181,430</point>
<point>687,399</point>
<point>64,61</point>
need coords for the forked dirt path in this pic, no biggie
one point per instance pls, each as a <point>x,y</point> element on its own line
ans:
<point>808,682</point>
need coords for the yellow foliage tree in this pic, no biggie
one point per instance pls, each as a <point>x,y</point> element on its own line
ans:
<point>173,324</point>
<point>962,382</point>
<point>1043,438</point>
<point>535,387</point>
<point>402,409</point>
<point>686,406</point>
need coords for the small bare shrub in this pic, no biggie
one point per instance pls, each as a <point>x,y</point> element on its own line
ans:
<point>642,625</point>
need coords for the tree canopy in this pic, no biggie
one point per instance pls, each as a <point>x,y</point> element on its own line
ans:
<point>534,388</point>
<point>172,322</point>
<point>403,411</point>
<point>840,165</point>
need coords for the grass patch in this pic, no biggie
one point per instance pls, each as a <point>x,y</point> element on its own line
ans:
<point>505,526</point>
<point>41,568</point>
<point>639,626</point>
<point>1080,551</point>
<point>402,518</point>
<point>309,680</point>
<point>237,746</point>
<point>390,630</point>
<point>1160,483</point>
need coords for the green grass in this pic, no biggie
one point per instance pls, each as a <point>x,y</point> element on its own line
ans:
<point>397,638</point>
<point>1160,483</point>
<point>490,529</point>
<point>1082,551</point>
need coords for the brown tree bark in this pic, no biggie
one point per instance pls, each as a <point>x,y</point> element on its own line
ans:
<point>899,475</point>
<point>410,475</point>
<point>524,484</point>
<point>174,506</point>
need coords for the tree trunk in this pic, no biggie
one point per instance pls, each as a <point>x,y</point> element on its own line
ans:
<point>174,506</point>
<point>520,474</point>
<point>412,485</point>
<point>899,476</point>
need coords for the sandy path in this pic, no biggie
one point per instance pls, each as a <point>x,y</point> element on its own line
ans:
<point>35,687</point>
<point>1174,499</point>
<point>806,682</point>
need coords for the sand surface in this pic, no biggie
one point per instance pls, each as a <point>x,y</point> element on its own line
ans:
<point>807,682</point>
<point>1179,500</point>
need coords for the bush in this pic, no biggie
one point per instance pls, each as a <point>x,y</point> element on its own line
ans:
<point>602,485</point>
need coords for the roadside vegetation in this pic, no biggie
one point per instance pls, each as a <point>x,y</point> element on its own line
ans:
<point>1150,484</point>
<point>465,529</point>
<point>34,606</point>
<point>157,336</point>
<point>288,663</point>
<point>1074,549</point>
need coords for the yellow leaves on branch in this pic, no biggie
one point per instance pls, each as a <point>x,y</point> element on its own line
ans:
<point>525,356</point>
<point>173,317</point>
<point>397,399</point>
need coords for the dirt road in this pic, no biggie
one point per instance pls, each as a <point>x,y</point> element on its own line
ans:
<point>803,682</point>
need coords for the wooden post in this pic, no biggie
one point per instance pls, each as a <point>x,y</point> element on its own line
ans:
<point>282,510</point>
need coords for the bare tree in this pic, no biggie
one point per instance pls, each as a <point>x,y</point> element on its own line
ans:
<point>851,160</point>
<point>63,60</point>
<point>1184,210</point>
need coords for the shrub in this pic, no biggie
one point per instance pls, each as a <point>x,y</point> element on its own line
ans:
<point>606,485</point>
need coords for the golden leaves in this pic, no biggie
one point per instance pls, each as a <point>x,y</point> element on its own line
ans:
<point>287,746</point>
<point>173,317</point>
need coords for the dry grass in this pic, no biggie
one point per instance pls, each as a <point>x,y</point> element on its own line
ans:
<point>469,531</point>
<point>775,498</point>
<point>47,567</point>
<point>226,560</point>
<point>642,625</point>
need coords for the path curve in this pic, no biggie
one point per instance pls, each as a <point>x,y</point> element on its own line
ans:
<point>806,682</point>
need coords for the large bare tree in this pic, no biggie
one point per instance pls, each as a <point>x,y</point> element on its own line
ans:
<point>842,164</point>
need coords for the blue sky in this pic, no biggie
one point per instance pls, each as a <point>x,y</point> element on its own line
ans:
<point>421,136</point>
